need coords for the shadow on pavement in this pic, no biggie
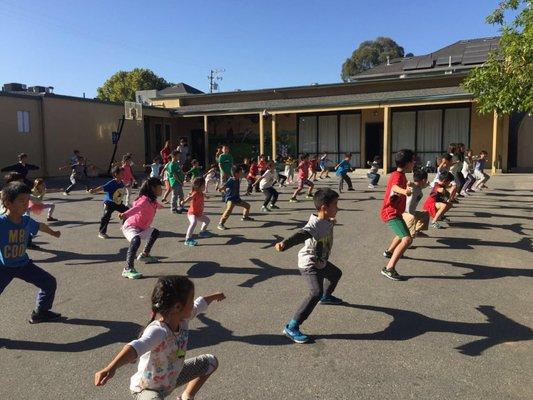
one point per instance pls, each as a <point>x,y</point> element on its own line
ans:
<point>468,243</point>
<point>117,332</point>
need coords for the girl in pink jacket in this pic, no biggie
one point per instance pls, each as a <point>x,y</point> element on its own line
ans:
<point>137,221</point>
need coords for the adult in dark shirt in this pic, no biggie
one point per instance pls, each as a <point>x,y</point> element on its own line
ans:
<point>22,167</point>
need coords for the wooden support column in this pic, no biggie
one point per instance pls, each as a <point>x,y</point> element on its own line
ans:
<point>206,142</point>
<point>494,155</point>
<point>261,134</point>
<point>274,135</point>
<point>386,139</point>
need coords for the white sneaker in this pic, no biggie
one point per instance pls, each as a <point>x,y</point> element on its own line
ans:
<point>370,186</point>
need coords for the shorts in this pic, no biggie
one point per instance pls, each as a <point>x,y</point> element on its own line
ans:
<point>304,182</point>
<point>130,232</point>
<point>416,222</point>
<point>399,227</point>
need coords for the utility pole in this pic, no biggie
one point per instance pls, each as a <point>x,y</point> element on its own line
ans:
<point>214,76</point>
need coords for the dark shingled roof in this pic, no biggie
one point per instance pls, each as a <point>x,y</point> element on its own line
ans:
<point>389,97</point>
<point>462,55</point>
<point>180,88</point>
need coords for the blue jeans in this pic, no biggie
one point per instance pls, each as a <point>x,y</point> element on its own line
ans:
<point>374,178</point>
<point>31,273</point>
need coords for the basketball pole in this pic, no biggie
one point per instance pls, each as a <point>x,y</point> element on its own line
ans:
<point>119,133</point>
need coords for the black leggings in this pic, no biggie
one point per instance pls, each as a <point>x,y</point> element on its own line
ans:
<point>136,243</point>
<point>108,210</point>
<point>317,288</point>
<point>270,194</point>
<point>281,179</point>
<point>345,178</point>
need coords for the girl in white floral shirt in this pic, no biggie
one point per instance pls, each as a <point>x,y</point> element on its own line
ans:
<point>162,346</point>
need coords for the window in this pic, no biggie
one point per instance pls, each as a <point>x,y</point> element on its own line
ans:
<point>307,135</point>
<point>23,119</point>
<point>350,138</point>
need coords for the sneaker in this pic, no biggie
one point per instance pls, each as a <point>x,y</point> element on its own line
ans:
<point>44,316</point>
<point>274,207</point>
<point>387,254</point>
<point>446,219</point>
<point>221,227</point>
<point>309,196</point>
<point>147,259</point>
<point>264,209</point>
<point>391,274</point>
<point>66,194</point>
<point>191,242</point>
<point>295,335</point>
<point>293,200</point>
<point>204,234</point>
<point>330,299</point>
<point>51,219</point>
<point>131,274</point>
<point>371,186</point>
<point>351,190</point>
<point>464,194</point>
<point>436,225</point>
<point>103,235</point>
<point>247,219</point>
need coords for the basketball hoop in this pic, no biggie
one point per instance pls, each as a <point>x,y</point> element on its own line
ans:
<point>133,111</point>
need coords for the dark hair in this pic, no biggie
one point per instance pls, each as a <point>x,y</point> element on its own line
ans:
<point>419,175</point>
<point>116,170</point>
<point>22,155</point>
<point>147,188</point>
<point>126,157</point>
<point>168,291</point>
<point>324,197</point>
<point>484,152</point>
<point>447,157</point>
<point>37,182</point>
<point>403,157</point>
<point>347,155</point>
<point>194,161</point>
<point>377,158</point>
<point>452,147</point>
<point>12,190</point>
<point>197,183</point>
<point>157,158</point>
<point>235,169</point>
<point>13,177</point>
<point>446,177</point>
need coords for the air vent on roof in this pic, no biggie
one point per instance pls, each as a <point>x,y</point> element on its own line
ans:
<point>39,89</point>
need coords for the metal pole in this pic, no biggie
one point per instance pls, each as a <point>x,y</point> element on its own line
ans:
<point>119,133</point>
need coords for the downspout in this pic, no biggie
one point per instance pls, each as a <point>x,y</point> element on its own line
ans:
<point>43,140</point>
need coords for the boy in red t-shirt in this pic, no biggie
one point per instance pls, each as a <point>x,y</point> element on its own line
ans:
<point>438,202</point>
<point>303,173</point>
<point>392,209</point>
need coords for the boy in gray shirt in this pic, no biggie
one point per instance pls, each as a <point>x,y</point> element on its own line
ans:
<point>321,275</point>
<point>416,221</point>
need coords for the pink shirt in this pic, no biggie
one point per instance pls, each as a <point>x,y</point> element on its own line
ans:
<point>127,175</point>
<point>303,170</point>
<point>142,213</point>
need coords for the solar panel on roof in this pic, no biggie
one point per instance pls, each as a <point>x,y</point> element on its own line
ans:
<point>474,59</point>
<point>425,63</point>
<point>445,60</point>
<point>410,64</point>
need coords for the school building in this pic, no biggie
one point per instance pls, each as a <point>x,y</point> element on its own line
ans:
<point>415,102</point>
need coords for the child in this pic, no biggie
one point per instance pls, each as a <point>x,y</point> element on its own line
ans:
<point>442,169</point>
<point>127,176</point>
<point>438,203</point>
<point>289,169</point>
<point>468,171</point>
<point>15,228</point>
<point>162,346</point>
<point>232,198</point>
<point>416,221</point>
<point>479,174</point>
<point>324,161</point>
<point>113,193</point>
<point>196,213</point>
<point>266,184</point>
<point>251,177</point>
<point>392,209</point>
<point>262,164</point>
<point>211,177</point>
<point>175,179</point>
<point>195,170</point>
<point>313,164</point>
<point>342,169</point>
<point>39,190</point>
<point>137,225</point>
<point>77,176</point>
<point>313,260</point>
<point>280,166</point>
<point>155,167</point>
<point>372,174</point>
<point>303,172</point>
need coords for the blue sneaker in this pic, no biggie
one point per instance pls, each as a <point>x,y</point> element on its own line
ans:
<point>330,299</point>
<point>191,242</point>
<point>295,335</point>
<point>204,234</point>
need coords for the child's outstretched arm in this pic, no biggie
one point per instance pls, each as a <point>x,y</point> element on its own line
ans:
<point>46,229</point>
<point>126,356</point>
<point>299,237</point>
<point>218,296</point>
<point>97,189</point>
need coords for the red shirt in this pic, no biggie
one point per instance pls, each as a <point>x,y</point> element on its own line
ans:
<point>254,170</point>
<point>394,203</point>
<point>165,154</point>
<point>197,204</point>
<point>262,165</point>
<point>313,164</point>
<point>303,170</point>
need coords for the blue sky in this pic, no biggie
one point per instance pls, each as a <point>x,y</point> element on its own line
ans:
<point>76,45</point>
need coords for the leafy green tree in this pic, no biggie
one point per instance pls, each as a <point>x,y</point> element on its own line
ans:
<point>369,54</point>
<point>123,84</point>
<point>505,81</point>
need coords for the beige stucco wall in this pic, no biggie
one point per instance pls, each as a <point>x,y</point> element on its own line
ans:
<point>13,142</point>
